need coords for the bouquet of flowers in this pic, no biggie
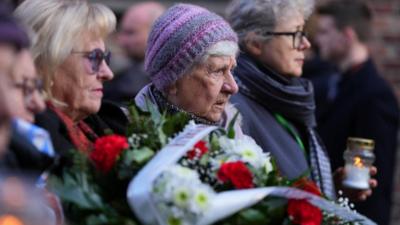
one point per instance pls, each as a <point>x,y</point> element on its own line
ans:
<point>93,186</point>
<point>206,176</point>
<point>171,171</point>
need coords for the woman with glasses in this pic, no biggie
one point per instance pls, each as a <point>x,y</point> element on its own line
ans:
<point>70,54</point>
<point>276,104</point>
<point>29,100</point>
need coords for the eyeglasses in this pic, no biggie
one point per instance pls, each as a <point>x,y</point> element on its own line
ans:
<point>297,36</point>
<point>96,57</point>
<point>29,86</point>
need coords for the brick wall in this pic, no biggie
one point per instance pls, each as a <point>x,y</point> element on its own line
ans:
<point>385,47</point>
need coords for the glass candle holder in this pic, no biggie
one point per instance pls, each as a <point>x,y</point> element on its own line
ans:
<point>358,158</point>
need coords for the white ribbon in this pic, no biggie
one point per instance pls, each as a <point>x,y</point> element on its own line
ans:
<point>225,203</point>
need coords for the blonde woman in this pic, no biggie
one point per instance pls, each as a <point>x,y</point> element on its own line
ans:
<point>70,53</point>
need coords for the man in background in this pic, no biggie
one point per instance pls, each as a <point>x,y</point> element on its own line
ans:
<point>364,105</point>
<point>132,38</point>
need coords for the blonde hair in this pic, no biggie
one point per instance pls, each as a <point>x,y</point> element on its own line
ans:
<point>59,26</point>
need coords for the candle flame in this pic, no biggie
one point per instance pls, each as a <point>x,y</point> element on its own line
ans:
<point>358,162</point>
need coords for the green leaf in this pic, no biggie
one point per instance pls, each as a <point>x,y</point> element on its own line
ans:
<point>214,143</point>
<point>175,123</point>
<point>97,220</point>
<point>154,112</point>
<point>141,156</point>
<point>76,189</point>
<point>231,129</point>
<point>254,217</point>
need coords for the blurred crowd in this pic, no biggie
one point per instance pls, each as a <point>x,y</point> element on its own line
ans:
<point>300,75</point>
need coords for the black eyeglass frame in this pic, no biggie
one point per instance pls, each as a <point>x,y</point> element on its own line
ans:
<point>94,55</point>
<point>297,34</point>
<point>29,86</point>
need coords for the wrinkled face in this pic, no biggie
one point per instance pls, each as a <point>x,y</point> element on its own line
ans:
<point>330,40</point>
<point>206,89</point>
<point>279,53</point>
<point>77,84</point>
<point>28,100</point>
<point>133,35</point>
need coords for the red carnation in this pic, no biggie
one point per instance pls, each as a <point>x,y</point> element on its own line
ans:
<point>106,151</point>
<point>307,185</point>
<point>303,213</point>
<point>237,173</point>
<point>199,149</point>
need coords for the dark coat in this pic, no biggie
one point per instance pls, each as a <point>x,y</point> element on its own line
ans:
<point>110,117</point>
<point>23,157</point>
<point>261,125</point>
<point>365,107</point>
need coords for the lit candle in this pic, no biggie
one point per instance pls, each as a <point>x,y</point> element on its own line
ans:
<point>359,158</point>
<point>357,175</point>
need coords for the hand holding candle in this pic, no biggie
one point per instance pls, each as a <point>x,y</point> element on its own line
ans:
<point>355,178</point>
<point>355,195</point>
<point>359,157</point>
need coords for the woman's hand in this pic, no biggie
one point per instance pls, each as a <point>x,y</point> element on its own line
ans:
<point>354,195</point>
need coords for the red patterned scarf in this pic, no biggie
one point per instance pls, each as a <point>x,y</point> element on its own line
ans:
<point>80,134</point>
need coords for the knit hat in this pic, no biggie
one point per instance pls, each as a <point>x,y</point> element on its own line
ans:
<point>10,31</point>
<point>178,38</point>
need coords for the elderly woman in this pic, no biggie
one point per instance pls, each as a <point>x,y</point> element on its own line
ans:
<point>70,54</point>
<point>277,105</point>
<point>190,55</point>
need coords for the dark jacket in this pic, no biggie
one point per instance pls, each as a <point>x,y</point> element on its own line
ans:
<point>365,107</point>
<point>110,117</point>
<point>259,120</point>
<point>261,125</point>
<point>23,157</point>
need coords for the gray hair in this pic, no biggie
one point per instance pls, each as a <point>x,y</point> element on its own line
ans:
<point>247,16</point>
<point>222,48</point>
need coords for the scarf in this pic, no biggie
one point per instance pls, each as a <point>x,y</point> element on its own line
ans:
<point>80,134</point>
<point>293,99</point>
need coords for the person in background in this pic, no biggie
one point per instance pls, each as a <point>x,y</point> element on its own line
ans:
<point>277,105</point>
<point>25,78</point>
<point>5,116</point>
<point>132,38</point>
<point>191,52</point>
<point>70,55</point>
<point>23,201</point>
<point>365,105</point>
<point>30,148</point>
<point>12,39</point>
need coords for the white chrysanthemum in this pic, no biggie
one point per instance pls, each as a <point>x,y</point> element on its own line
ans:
<point>226,144</point>
<point>182,196</point>
<point>201,199</point>
<point>250,152</point>
<point>175,221</point>
<point>183,173</point>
